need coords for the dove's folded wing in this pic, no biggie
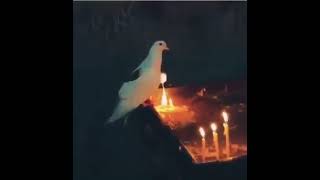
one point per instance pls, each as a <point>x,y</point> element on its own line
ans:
<point>127,89</point>
<point>129,85</point>
<point>142,65</point>
<point>130,88</point>
<point>134,75</point>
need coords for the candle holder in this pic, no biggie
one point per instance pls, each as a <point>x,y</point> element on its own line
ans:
<point>192,110</point>
<point>177,127</point>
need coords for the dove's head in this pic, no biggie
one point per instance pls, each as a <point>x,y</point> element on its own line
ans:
<point>160,46</point>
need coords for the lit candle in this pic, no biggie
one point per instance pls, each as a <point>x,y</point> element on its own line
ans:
<point>226,132</point>
<point>203,141</point>
<point>215,139</point>
<point>164,101</point>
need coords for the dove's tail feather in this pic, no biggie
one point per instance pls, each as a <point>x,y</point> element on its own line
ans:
<point>120,111</point>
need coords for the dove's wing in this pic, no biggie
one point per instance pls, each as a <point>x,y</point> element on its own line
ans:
<point>127,89</point>
<point>134,75</point>
<point>142,65</point>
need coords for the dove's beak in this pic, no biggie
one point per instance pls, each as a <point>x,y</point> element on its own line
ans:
<point>166,48</point>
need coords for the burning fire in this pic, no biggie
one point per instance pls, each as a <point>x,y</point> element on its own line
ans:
<point>170,102</point>
<point>202,132</point>
<point>213,127</point>
<point>164,101</point>
<point>166,104</point>
<point>163,79</point>
<point>173,115</point>
<point>164,97</point>
<point>225,116</point>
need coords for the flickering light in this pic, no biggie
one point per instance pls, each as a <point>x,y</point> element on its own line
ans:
<point>225,116</point>
<point>202,132</point>
<point>213,127</point>
<point>170,102</point>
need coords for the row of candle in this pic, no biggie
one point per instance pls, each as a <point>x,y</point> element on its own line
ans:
<point>215,137</point>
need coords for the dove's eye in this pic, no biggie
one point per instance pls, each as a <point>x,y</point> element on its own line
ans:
<point>160,44</point>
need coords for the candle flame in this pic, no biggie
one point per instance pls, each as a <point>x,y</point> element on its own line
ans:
<point>163,78</point>
<point>202,132</point>
<point>213,127</point>
<point>164,100</point>
<point>225,116</point>
<point>170,102</point>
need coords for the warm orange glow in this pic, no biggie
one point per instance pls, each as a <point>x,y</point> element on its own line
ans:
<point>202,132</point>
<point>225,116</point>
<point>170,102</point>
<point>213,127</point>
<point>163,78</point>
<point>164,100</point>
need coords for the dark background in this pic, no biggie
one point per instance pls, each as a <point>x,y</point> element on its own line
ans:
<point>207,42</point>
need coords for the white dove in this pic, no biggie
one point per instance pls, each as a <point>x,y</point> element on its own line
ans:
<point>133,93</point>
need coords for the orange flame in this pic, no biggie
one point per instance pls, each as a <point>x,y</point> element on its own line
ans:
<point>164,100</point>
<point>202,132</point>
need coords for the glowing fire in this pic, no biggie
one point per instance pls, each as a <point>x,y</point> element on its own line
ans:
<point>166,104</point>
<point>202,132</point>
<point>225,116</point>
<point>173,115</point>
<point>170,102</point>
<point>213,127</point>
<point>164,100</point>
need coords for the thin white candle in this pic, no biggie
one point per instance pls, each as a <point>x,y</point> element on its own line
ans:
<point>215,140</point>
<point>226,132</point>
<point>163,78</point>
<point>203,141</point>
